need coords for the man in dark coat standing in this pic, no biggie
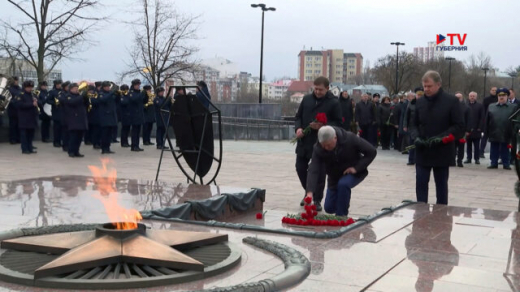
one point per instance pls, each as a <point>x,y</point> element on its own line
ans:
<point>12,112</point>
<point>459,146</point>
<point>409,123</point>
<point>64,128</point>
<point>515,102</point>
<point>345,158</point>
<point>162,107</point>
<point>491,99</point>
<point>366,119</point>
<point>437,114</point>
<point>76,118</point>
<point>499,129</point>
<point>126,120</point>
<point>52,99</point>
<point>136,101</point>
<point>149,115</point>
<point>320,101</point>
<point>474,128</point>
<point>46,120</point>
<point>347,110</point>
<point>107,117</point>
<point>27,111</point>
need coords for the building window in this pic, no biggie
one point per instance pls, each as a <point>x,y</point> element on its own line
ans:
<point>317,71</point>
<point>317,58</point>
<point>309,58</point>
<point>351,73</point>
<point>308,65</point>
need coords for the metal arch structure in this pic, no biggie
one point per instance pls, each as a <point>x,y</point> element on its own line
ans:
<point>203,151</point>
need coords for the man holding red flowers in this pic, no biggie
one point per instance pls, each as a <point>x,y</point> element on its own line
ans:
<point>320,101</point>
<point>437,114</point>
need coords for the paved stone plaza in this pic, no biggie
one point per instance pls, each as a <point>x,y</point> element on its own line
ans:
<point>472,245</point>
<point>270,165</point>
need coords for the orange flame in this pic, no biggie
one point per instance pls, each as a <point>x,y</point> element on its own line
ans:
<point>105,180</point>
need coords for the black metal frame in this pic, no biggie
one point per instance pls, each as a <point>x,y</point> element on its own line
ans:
<point>177,153</point>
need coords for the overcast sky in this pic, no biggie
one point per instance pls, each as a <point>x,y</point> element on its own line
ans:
<point>231,29</point>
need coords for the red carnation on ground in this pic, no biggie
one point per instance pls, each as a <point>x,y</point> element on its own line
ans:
<point>314,213</point>
<point>462,141</point>
<point>313,207</point>
<point>307,200</point>
<point>321,118</point>
<point>259,216</point>
<point>308,208</point>
<point>350,221</point>
<point>509,146</point>
<point>304,215</point>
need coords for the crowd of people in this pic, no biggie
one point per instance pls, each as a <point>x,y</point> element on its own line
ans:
<point>90,114</point>
<point>414,124</point>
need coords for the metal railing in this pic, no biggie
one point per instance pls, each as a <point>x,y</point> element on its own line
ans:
<point>255,129</point>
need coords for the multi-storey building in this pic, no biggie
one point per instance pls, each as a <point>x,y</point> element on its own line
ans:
<point>333,64</point>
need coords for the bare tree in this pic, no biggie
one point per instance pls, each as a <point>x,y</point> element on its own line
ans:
<point>162,47</point>
<point>409,69</point>
<point>49,31</point>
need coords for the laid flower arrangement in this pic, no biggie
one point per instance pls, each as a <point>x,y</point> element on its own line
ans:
<point>311,217</point>
<point>320,118</point>
<point>431,142</point>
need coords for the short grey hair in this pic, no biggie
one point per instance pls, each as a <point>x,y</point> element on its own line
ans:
<point>410,94</point>
<point>473,92</point>
<point>433,75</point>
<point>326,133</point>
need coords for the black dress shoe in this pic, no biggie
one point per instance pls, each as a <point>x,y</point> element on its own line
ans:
<point>492,167</point>
<point>477,162</point>
<point>410,163</point>
<point>97,147</point>
<point>507,167</point>
<point>88,143</point>
<point>482,156</point>
<point>137,149</point>
<point>57,145</point>
<point>151,144</point>
<point>125,146</point>
<point>467,162</point>
<point>72,155</point>
<point>46,141</point>
<point>26,152</point>
<point>115,141</point>
<point>302,203</point>
<point>33,152</point>
<point>34,147</point>
<point>79,155</point>
<point>107,152</point>
<point>459,164</point>
<point>318,206</point>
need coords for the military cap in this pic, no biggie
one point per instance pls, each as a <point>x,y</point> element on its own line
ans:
<point>43,83</point>
<point>73,85</point>
<point>28,83</point>
<point>503,90</point>
<point>147,87</point>
<point>98,83</point>
<point>124,87</point>
<point>136,81</point>
<point>15,78</point>
<point>417,89</point>
<point>159,89</point>
<point>57,81</point>
<point>376,95</point>
<point>106,84</point>
<point>65,84</point>
<point>91,88</point>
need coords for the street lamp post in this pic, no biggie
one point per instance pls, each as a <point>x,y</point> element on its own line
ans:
<point>485,75</point>
<point>264,9</point>
<point>449,75</point>
<point>513,76</point>
<point>397,44</point>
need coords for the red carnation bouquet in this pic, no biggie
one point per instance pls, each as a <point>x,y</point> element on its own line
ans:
<point>311,217</point>
<point>320,118</point>
<point>431,142</point>
<point>462,141</point>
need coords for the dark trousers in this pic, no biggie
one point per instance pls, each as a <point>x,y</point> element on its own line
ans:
<point>135,135</point>
<point>75,141</point>
<point>483,143</point>
<point>302,166</point>
<point>64,136</point>
<point>95,134</point>
<point>114,134</point>
<point>147,132</point>
<point>338,200</point>
<point>56,132</point>
<point>14,132</point>
<point>45,128</point>
<point>513,150</point>
<point>386,136</point>
<point>106,138</point>
<point>372,135</point>
<point>440,174</point>
<point>473,144</point>
<point>459,151</point>
<point>365,132</point>
<point>499,150</point>
<point>159,136</point>
<point>398,140</point>
<point>125,131</point>
<point>411,152</point>
<point>26,139</point>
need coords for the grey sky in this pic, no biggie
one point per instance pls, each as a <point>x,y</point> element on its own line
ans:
<point>231,29</point>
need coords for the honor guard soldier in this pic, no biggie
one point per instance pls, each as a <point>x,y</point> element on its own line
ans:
<point>52,99</point>
<point>117,96</point>
<point>149,115</point>
<point>75,114</point>
<point>64,129</point>
<point>136,106</point>
<point>46,120</point>
<point>107,116</point>
<point>125,115</point>
<point>98,86</point>
<point>12,113</point>
<point>161,105</point>
<point>94,126</point>
<point>27,112</point>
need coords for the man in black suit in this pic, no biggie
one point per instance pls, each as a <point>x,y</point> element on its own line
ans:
<point>438,114</point>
